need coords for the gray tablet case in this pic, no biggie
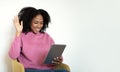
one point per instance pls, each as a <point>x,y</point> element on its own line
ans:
<point>55,51</point>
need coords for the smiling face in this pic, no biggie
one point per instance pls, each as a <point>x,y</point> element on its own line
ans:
<point>37,23</point>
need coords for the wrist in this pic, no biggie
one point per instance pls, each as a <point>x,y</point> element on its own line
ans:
<point>18,34</point>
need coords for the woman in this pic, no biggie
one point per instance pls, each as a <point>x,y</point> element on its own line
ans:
<point>32,43</point>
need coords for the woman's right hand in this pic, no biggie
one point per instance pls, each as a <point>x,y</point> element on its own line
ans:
<point>57,61</point>
<point>18,26</point>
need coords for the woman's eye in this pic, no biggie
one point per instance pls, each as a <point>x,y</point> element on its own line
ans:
<point>41,23</point>
<point>35,22</point>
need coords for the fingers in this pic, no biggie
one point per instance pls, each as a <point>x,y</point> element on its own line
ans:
<point>57,60</point>
<point>16,20</point>
<point>54,62</point>
<point>18,25</point>
<point>21,24</point>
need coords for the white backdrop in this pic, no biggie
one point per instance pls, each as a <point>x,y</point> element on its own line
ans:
<point>90,28</point>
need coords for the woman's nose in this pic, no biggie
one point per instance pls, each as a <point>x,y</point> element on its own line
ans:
<point>39,25</point>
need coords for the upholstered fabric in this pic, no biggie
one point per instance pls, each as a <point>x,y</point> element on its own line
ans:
<point>18,67</point>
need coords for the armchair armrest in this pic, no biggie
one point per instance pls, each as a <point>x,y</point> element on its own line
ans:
<point>62,66</point>
<point>17,67</point>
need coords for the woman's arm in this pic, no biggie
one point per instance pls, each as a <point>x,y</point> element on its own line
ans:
<point>15,49</point>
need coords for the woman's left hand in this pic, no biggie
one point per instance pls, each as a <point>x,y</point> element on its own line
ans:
<point>57,60</point>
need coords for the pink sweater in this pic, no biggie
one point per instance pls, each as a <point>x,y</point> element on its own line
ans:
<point>30,49</point>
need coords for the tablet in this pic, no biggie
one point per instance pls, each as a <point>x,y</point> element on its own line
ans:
<point>56,50</point>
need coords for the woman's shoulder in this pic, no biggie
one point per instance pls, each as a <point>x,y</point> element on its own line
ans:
<point>46,34</point>
<point>49,37</point>
<point>22,34</point>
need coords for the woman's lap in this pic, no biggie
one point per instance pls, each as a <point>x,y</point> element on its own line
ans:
<point>32,70</point>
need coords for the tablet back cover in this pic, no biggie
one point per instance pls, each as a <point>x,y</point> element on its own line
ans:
<point>56,50</point>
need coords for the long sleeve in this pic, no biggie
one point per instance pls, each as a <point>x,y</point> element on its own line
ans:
<point>15,49</point>
<point>31,49</point>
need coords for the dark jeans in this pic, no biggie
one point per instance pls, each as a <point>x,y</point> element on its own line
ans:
<point>32,70</point>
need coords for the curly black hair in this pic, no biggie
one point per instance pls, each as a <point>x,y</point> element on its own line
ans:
<point>26,15</point>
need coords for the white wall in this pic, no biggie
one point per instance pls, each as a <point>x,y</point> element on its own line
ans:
<point>90,28</point>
